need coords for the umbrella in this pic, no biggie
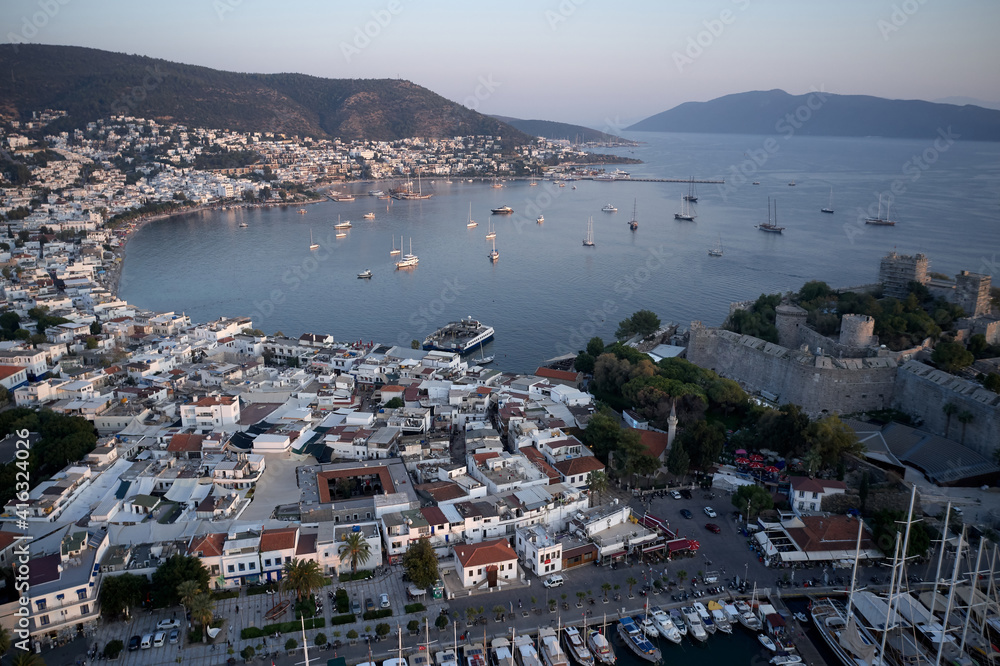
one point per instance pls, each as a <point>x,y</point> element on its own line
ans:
<point>742,461</point>
<point>756,465</point>
<point>741,452</point>
<point>757,457</point>
<point>771,469</point>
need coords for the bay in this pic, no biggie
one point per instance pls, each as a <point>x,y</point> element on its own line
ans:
<point>548,294</point>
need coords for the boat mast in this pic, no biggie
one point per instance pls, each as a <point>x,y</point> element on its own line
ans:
<point>973,591</point>
<point>892,584</point>
<point>944,542</point>
<point>951,595</point>
<point>305,643</point>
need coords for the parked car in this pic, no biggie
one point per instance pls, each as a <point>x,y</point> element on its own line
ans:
<point>712,527</point>
<point>133,643</point>
<point>685,493</point>
<point>147,642</point>
<point>175,635</point>
<point>710,512</point>
<point>168,624</point>
<point>159,639</point>
<point>369,604</point>
<point>686,513</point>
<point>554,580</point>
<point>675,494</point>
<point>383,600</point>
<point>356,607</point>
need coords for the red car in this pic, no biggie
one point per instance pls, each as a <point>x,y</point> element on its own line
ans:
<point>712,527</point>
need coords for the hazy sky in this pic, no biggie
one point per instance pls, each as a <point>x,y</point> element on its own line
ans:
<point>595,62</point>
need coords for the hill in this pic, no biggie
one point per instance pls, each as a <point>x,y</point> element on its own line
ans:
<point>825,114</point>
<point>551,129</point>
<point>90,84</point>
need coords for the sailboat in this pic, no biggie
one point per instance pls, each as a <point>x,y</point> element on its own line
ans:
<point>687,211</point>
<point>600,646</point>
<point>692,194</point>
<point>829,207</point>
<point>879,220</point>
<point>768,226</point>
<point>394,251</point>
<point>717,250</point>
<point>472,223</point>
<point>633,223</point>
<point>490,232</point>
<point>484,360</point>
<point>408,260</point>
<point>313,245</point>
<point>494,255</point>
<point>589,240</point>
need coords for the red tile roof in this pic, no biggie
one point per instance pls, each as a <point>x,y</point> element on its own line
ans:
<point>434,515</point>
<point>184,443</point>
<point>280,539</point>
<point>564,375</point>
<point>580,465</point>
<point>655,442</point>
<point>210,545</point>
<point>536,458</point>
<point>307,544</point>
<point>9,370</point>
<point>212,400</point>
<point>485,553</point>
<point>822,533</point>
<point>441,491</point>
<point>816,485</point>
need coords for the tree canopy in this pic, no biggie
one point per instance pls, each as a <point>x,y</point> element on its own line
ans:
<point>758,497</point>
<point>421,563</point>
<point>169,575</point>
<point>642,322</point>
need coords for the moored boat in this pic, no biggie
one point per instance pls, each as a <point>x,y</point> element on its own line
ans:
<point>552,652</point>
<point>719,618</point>
<point>365,274</point>
<point>631,634</point>
<point>525,653</point>
<point>601,648</point>
<point>678,619</point>
<point>502,210</point>
<point>577,647</point>
<point>500,652</point>
<point>665,625</point>
<point>648,626</point>
<point>706,617</point>
<point>696,627</point>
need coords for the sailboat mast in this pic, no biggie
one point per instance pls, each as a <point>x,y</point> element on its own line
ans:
<point>854,571</point>
<point>892,585</point>
<point>973,589</point>
<point>951,595</point>
<point>944,541</point>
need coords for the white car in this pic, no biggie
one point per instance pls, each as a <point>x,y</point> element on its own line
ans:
<point>168,624</point>
<point>710,512</point>
<point>553,581</point>
<point>675,494</point>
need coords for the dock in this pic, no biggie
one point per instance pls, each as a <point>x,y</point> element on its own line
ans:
<point>803,644</point>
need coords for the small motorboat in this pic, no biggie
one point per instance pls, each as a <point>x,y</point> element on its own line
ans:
<point>801,617</point>
<point>365,274</point>
<point>766,641</point>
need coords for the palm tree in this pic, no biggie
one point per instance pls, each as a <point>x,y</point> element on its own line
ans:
<point>965,418</point>
<point>187,591</point>
<point>356,549</point>
<point>630,581</point>
<point>4,640</point>
<point>948,409</point>
<point>202,612</point>
<point>681,575</point>
<point>498,610</point>
<point>598,483</point>
<point>302,577</point>
<point>606,587</point>
<point>813,461</point>
<point>23,658</point>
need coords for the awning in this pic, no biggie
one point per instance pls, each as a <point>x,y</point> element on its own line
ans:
<point>620,553</point>
<point>681,544</point>
<point>650,549</point>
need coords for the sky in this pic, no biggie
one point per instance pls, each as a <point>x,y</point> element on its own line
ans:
<point>594,62</point>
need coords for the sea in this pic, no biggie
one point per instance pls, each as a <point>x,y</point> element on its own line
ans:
<point>548,294</point>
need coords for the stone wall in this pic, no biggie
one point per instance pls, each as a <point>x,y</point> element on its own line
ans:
<point>817,383</point>
<point>831,347</point>
<point>922,391</point>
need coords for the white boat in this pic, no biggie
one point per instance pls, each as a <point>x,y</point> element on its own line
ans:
<point>408,260</point>
<point>801,617</point>
<point>719,617</point>
<point>341,234</point>
<point>394,251</point>
<point>648,626</point>
<point>717,250</point>
<point>369,216</point>
<point>687,213</point>
<point>342,225</point>
<point>502,655</point>
<point>766,641</point>
<point>678,619</point>
<point>791,183</point>
<point>552,652</point>
<point>785,658</point>
<point>313,245</point>
<point>878,220</point>
<point>608,208</point>
<point>365,274</point>
<point>490,233</point>
<point>577,647</point>
<point>601,648</point>
<point>589,240</point>
<point>665,625</point>
<point>829,208</point>
<point>471,223</point>
<point>494,256</point>
<point>768,226</point>
<point>632,636</point>
<point>696,627</point>
<point>474,654</point>
<point>525,653</point>
<point>540,219</point>
<point>706,617</point>
<point>243,225</point>
<point>396,661</point>
<point>377,193</point>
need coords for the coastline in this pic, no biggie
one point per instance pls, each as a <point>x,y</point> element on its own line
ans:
<point>112,279</point>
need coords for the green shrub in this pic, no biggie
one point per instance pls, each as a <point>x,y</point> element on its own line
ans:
<point>248,633</point>
<point>247,653</point>
<point>413,625</point>
<point>352,634</point>
<point>219,595</point>
<point>377,614</point>
<point>358,575</point>
<point>113,649</point>
<point>320,639</point>
<point>414,608</point>
<point>441,622</point>
<point>343,619</point>
<point>291,644</point>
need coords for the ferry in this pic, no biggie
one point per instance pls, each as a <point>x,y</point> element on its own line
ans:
<point>552,652</point>
<point>632,635</point>
<point>601,648</point>
<point>462,336</point>
<point>502,210</point>
<point>576,647</point>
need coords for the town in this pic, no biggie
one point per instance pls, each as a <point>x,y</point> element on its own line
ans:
<point>206,491</point>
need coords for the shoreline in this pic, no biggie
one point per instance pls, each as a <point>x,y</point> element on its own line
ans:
<point>112,279</point>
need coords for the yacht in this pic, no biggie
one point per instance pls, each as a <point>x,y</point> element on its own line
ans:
<point>608,208</point>
<point>878,220</point>
<point>706,617</point>
<point>365,274</point>
<point>342,225</point>
<point>471,224</point>
<point>313,245</point>
<point>502,210</point>
<point>747,617</point>
<point>378,193</point>
<point>695,626</point>
<point>665,625</point>
<point>540,219</point>
<point>394,251</point>
<point>687,213</point>
<point>577,647</point>
<point>552,652</point>
<point>768,226</point>
<point>524,652</point>
<point>648,626</point>
<point>369,216</point>
<point>494,254</point>
<point>719,617</point>
<point>678,619</point>
<point>408,260</point>
<point>589,240</point>
<point>628,630</point>
<point>243,225</point>
<point>445,658</point>
<point>500,649</point>
<point>846,638</point>
<point>601,648</point>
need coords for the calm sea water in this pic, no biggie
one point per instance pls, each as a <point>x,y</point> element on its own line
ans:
<point>548,294</point>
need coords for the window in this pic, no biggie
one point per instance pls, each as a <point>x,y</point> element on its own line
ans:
<point>480,573</point>
<point>815,495</point>
<point>253,566</point>
<point>243,567</point>
<point>40,604</point>
<point>230,568</point>
<point>267,562</point>
<point>84,609</point>
<point>43,620</point>
<point>81,594</point>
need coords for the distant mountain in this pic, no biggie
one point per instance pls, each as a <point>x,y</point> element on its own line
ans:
<point>825,114</point>
<point>962,101</point>
<point>90,84</point>
<point>555,130</point>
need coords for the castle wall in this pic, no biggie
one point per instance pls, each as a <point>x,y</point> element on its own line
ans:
<point>817,384</point>
<point>923,391</point>
<point>810,337</point>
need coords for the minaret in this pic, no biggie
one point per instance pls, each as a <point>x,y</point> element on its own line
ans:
<point>671,425</point>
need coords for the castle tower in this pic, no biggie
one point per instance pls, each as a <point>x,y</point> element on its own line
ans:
<point>972,293</point>
<point>671,427</point>
<point>857,330</point>
<point>897,271</point>
<point>789,319</point>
